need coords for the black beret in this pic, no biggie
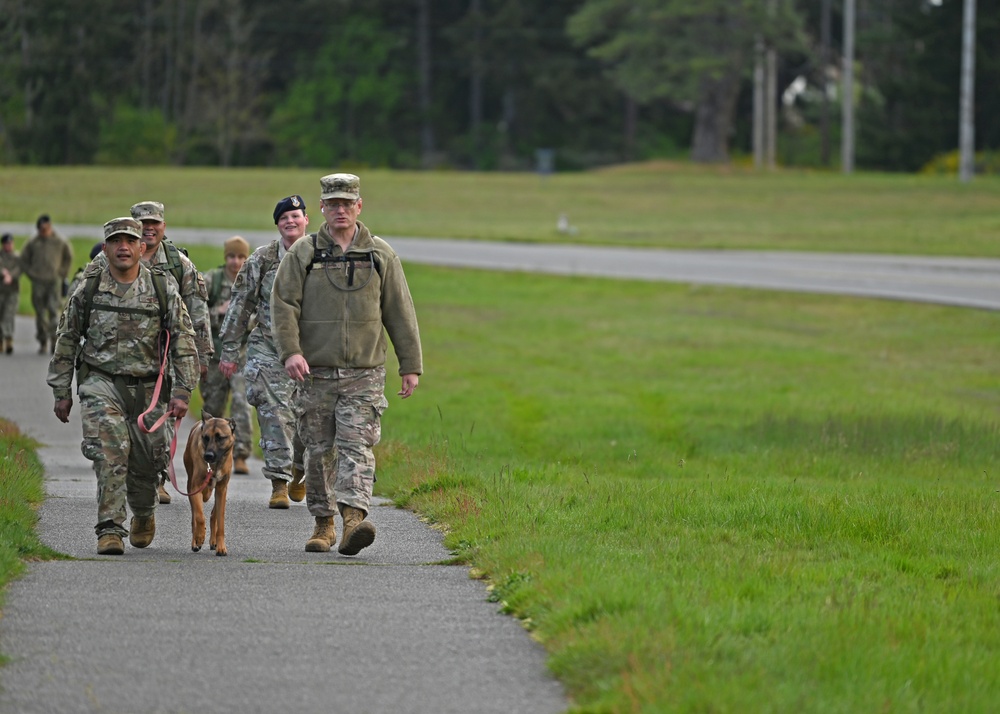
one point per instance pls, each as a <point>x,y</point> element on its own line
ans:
<point>292,203</point>
<point>98,247</point>
<point>7,238</point>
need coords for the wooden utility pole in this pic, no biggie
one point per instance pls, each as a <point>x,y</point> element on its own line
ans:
<point>847,100</point>
<point>765,100</point>
<point>967,123</point>
<point>758,104</point>
<point>824,123</point>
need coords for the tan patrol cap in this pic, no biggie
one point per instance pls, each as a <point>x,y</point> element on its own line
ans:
<point>340,186</point>
<point>125,225</point>
<point>148,211</point>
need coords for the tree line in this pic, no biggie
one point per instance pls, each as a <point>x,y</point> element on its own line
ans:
<point>478,84</point>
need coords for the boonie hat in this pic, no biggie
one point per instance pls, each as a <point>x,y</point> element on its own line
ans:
<point>126,225</point>
<point>290,203</point>
<point>340,186</point>
<point>148,211</point>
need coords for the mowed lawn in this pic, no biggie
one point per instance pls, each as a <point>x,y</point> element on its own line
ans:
<point>652,205</point>
<point>709,499</point>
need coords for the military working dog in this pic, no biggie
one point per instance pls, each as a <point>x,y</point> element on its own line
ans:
<point>208,460</point>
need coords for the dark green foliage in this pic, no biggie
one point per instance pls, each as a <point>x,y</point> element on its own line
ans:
<point>343,82</point>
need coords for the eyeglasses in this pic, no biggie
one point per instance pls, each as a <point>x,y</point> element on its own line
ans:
<point>334,205</point>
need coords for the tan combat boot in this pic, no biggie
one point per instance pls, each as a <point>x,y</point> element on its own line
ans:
<point>323,537</point>
<point>141,531</point>
<point>297,488</point>
<point>279,494</point>
<point>162,495</point>
<point>240,465</point>
<point>110,544</point>
<point>358,532</point>
<point>8,345</point>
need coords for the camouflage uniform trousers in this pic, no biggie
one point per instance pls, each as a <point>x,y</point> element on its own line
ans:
<point>124,459</point>
<point>269,389</point>
<point>46,300</point>
<point>8,311</point>
<point>215,391</point>
<point>340,420</point>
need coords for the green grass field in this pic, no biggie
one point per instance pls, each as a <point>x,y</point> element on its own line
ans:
<point>655,205</point>
<point>703,499</point>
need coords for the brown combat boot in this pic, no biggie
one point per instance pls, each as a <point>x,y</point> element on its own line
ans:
<point>110,544</point>
<point>141,531</point>
<point>240,465</point>
<point>323,537</point>
<point>358,532</point>
<point>8,345</point>
<point>162,495</point>
<point>297,488</point>
<point>279,494</point>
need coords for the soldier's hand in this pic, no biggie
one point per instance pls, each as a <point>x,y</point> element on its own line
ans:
<point>410,382</point>
<point>177,408</point>
<point>204,370</point>
<point>63,408</point>
<point>297,367</point>
<point>228,369</point>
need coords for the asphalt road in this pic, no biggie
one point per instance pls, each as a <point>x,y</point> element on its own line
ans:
<point>269,628</point>
<point>962,282</point>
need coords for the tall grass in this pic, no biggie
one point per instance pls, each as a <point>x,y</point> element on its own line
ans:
<point>652,205</point>
<point>702,499</point>
<point>21,492</point>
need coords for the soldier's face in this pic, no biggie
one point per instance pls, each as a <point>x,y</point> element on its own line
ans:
<point>45,230</point>
<point>123,251</point>
<point>292,225</point>
<point>234,262</point>
<point>152,234</point>
<point>341,213</point>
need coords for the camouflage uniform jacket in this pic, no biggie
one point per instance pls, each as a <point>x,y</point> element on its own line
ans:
<point>12,264</point>
<point>251,299</point>
<point>120,343</point>
<point>218,302</point>
<point>193,293</point>
<point>333,312</point>
<point>47,260</point>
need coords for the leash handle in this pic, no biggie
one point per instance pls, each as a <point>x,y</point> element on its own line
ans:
<point>156,392</point>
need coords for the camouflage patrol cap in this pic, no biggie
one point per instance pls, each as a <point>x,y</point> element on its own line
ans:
<point>148,211</point>
<point>126,225</point>
<point>340,186</point>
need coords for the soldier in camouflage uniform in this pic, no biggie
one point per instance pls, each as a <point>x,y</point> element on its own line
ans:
<point>10,291</point>
<point>269,388</point>
<point>113,338</point>
<point>46,259</point>
<point>334,298</point>
<point>161,252</point>
<point>215,386</point>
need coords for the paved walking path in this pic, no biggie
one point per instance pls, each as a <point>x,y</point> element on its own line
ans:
<point>270,628</point>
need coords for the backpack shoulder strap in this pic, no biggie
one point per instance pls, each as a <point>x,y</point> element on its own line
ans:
<point>176,267</point>
<point>215,291</point>
<point>88,299</point>
<point>160,286</point>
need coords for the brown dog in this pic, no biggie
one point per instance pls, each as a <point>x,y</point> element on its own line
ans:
<point>209,457</point>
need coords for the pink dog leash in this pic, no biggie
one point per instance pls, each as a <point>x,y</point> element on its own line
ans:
<point>162,420</point>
